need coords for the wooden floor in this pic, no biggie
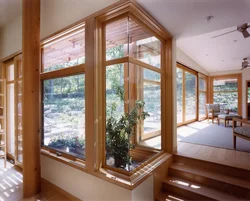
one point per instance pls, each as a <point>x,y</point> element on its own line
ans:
<point>11,186</point>
<point>213,154</point>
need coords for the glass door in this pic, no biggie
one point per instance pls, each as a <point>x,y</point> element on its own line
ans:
<point>179,95</point>
<point>186,95</point>
<point>18,111</point>
<point>190,96</point>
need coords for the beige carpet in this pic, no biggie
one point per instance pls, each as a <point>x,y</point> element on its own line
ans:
<point>206,133</point>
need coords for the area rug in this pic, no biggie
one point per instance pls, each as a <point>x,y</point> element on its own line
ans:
<point>206,133</point>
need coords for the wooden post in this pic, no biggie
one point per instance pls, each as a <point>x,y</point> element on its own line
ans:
<point>89,100</point>
<point>30,98</point>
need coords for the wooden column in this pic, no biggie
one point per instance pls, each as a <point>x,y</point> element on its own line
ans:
<point>30,98</point>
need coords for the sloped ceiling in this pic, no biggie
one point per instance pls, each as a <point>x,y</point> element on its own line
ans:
<point>9,10</point>
<point>184,19</point>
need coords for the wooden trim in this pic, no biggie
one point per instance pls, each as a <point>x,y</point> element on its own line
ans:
<point>64,34</point>
<point>90,150</point>
<point>53,187</point>
<point>117,61</point>
<point>144,65</point>
<point>5,59</point>
<point>63,72</point>
<point>186,68</point>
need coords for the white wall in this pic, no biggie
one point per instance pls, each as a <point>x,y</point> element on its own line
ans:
<point>80,184</point>
<point>11,37</point>
<point>187,61</point>
<point>145,191</point>
<point>57,14</point>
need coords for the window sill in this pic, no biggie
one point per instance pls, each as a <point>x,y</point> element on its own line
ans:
<point>75,164</point>
<point>132,181</point>
<point>129,182</point>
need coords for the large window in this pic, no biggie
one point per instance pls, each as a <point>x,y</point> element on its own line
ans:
<point>63,82</point>
<point>226,92</point>
<point>186,91</point>
<point>133,93</point>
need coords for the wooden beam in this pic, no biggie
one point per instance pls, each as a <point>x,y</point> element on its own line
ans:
<point>89,100</point>
<point>30,99</point>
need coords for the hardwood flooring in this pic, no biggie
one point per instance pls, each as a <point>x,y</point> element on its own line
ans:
<point>11,186</point>
<point>218,155</point>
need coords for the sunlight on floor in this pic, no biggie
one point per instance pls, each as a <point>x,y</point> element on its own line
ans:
<point>190,129</point>
<point>10,183</point>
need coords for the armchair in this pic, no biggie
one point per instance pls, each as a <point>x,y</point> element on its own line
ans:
<point>242,131</point>
<point>213,110</point>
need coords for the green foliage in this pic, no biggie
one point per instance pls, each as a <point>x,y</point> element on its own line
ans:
<point>70,140</point>
<point>118,132</point>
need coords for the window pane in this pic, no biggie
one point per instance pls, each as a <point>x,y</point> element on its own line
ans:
<point>64,114</point>
<point>115,90</point>
<point>66,52</point>
<point>10,119</point>
<point>151,90</point>
<point>179,95</point>
<point>202,84</point>
<point>202,104</point>
<point>190,96</point>
<point>126,88</point>
<point>228,100</point>
<point>10,72</point>
<point>117,39</point>
<point>19,122</point>
<point>143,45</point>
<point>226,85</point>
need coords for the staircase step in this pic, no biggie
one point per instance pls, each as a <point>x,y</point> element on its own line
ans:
<point>214,167</point>
<point>166,196</point>
<point>216,180</point>
<point>195,191</point>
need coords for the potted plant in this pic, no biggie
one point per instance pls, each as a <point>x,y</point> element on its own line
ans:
<point>119,131</point>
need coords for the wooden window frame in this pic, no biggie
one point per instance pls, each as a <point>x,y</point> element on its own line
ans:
<point>60,73</point>
<point>224,77</point>
<point>187,69</point>
<point>93,77</point>
<point>200,75</point>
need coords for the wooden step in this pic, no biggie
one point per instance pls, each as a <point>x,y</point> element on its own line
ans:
<point>214,167</point>
<point>166,196</point>
<point>229,184</point>
<point>195,191</point>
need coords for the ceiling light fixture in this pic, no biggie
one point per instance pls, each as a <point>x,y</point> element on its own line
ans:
<point>235,41</point>
<point>209,18</point>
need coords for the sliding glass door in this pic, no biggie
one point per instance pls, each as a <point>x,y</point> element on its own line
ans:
<point>179,93</point>
<point>186,91</point>
<point>190,96</point>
